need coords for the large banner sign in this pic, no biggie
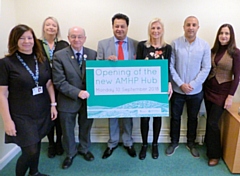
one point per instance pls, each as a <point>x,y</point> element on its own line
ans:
<point>133,88</point>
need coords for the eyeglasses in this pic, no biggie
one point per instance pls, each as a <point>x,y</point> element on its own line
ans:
<point>77,37</point>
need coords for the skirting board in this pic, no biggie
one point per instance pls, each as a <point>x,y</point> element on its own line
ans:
<point>102,135</point>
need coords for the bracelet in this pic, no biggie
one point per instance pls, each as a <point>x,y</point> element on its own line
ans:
<point>53,104</point>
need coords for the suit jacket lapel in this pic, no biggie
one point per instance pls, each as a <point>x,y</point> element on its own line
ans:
<point>112,46</point>
<point>84,63</point>
<point>73,61</point>
<point>130,49</point>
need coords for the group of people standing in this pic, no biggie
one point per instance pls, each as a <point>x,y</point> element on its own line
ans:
<point>35,72</point>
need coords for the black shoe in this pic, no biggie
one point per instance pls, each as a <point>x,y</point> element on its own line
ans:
<point>38,174</point>
<point>108,152</point>
<point>131,151</point>
<point>87,156</point>
<point>67,162</point>
<point>51,151</point>
<point>59,149</point>
<point>191,147</point>
<point>142,154</point>
<point>155,151</point>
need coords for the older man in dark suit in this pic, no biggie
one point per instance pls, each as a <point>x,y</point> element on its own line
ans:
<point>118,47</point>
<point>69,79</point>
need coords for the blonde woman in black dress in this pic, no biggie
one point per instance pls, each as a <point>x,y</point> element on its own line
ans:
<point>154,48</point>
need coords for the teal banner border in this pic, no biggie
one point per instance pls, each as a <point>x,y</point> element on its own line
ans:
<point>125,105</point>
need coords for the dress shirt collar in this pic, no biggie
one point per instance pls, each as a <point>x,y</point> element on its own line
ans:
<point>116,40</point>
<point>75,51</point>
<point>185,40</point>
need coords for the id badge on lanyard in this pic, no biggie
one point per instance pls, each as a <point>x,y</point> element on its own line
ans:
<point>38,89</point>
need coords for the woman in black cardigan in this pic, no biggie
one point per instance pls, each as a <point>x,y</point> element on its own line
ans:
<point>50,44</point>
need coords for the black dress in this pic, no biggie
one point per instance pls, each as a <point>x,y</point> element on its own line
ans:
<point>31,114</point>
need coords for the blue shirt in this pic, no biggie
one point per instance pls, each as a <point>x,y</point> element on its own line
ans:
<point>124,47</point>
<point>75,52</point>
<point>190,63</point>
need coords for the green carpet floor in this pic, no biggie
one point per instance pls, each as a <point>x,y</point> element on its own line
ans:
<point>121,164</point>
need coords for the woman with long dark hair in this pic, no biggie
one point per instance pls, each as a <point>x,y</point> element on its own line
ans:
<point>220,87</point>
<point>27,100</point>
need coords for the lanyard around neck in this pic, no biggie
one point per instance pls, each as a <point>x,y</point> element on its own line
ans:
<point>48,50</point>
<point>36,76</point>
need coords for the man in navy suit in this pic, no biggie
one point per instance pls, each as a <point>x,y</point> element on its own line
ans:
<point>108,50</point>
<point>69,79</point>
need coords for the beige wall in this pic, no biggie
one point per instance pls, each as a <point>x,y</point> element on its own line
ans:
<point>95,17</point>
<point>7,21</point>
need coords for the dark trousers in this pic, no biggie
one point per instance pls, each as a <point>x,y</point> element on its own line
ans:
<point>68,123</point>
<point>212,136</point>
<point>193,103</point>
<point>50,135</point>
